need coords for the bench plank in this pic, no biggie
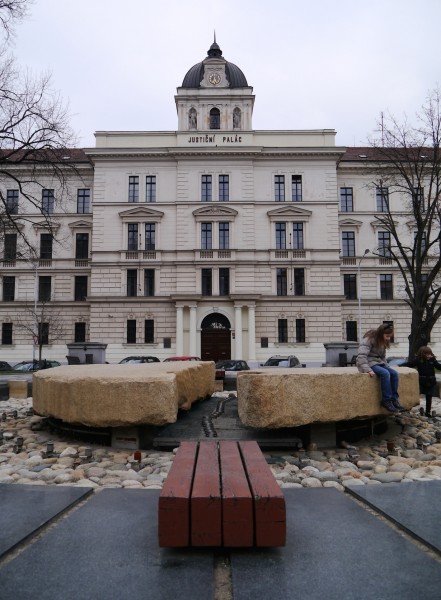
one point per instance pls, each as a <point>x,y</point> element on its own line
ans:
<point>269,501</point>
<point>237,503</point>
<point>206,503</point>
<point>174,500</point>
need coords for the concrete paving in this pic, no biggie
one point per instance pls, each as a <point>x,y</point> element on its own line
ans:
<point>104,545</point>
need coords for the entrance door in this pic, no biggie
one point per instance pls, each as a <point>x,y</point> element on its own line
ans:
<point>215,338</point>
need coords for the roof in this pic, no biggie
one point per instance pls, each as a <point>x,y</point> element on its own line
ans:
<point>65,155</point>
<point>195,75</point>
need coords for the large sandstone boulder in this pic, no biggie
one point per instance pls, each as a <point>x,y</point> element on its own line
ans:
<point>279,397</point>
<point>121,395</point>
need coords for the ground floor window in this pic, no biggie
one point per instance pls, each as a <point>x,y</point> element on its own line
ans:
<point>131,331</point>
<point>149,331</point>
<point>6,334</point>
<point>80,332</point>
<point>351,331</point>
<point>282,331</point>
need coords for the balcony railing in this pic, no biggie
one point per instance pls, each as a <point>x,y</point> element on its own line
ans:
<point>81,262</point>
<point>349,261</point>
<point>206,254</point>
<point>9,263</point>
<point>45,262</point>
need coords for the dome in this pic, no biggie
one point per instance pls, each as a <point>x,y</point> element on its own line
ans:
<point>195,75</point>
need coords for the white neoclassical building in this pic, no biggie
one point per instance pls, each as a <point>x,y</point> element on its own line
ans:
<point>213,240</point>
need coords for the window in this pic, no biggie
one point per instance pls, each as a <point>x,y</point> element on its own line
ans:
<point>132,282</point>
<point>282,287</point>
<point>83,200</point>
<point>10,246</point>
<point>264,342</point>
<point>82,246</point>
<point>167,342</point>
<point>382,198</point>
<point>346,199</point>
<point>80,332</point>
<point>224,236</point>
<point>214,118</point>
<point>297,230</point>
<point>224,282</point>
<point>150,236</point>
<point>418,193</point>
<point>149,331</point>
<point>149,282</point>
<point>299,282</point>
<point>8,288</point>
<point>279,188</point>
<point>134,188</point>
<point>206,282</point>
<point>386,287</point>
<point>46,240</point>
<point>350,286</point>
<point>44,288</point>
<point>131,331</point>
<point>296,183</point>
<point>6,334</point>
<point>43,333</point>
<point>206,190</point>
<point>351,331</point>
<point>300,331</point>
<point>12,202</point>
<point>282,331</point>
<point>47,202</point>
<point>80,288</point>
<point>348,243</point>
<point>422,236</point>
<point>224,188</point>
<point>132,238</point>
<point>280,236</point>
<point>150,188</point>
<point>206,236</point>
<point>384,243</point>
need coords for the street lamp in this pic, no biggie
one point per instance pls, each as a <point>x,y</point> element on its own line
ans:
<point>359,294</point>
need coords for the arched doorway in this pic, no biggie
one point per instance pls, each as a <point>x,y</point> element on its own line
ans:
<point>215,338</point>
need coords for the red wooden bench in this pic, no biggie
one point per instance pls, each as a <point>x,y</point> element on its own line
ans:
<point>221,494</point>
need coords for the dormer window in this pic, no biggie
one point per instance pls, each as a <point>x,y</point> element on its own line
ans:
<point>214,118</point>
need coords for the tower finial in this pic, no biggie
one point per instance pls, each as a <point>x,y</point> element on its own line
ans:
<point>215,36</point>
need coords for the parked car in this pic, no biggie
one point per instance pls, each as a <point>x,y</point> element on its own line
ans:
<point>283,361</point>
<point>396,361</point>
<point>136,360</point>
<point>230,368</point>
<point>176,358</point>
<point>5,366</point>
<point>35,365</point>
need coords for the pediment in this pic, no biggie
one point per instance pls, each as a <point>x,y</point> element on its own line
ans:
<point>350,223</point>
<point>141,212</point>
<point>377,224</point>
<point>45,225</point>
<point>289,212</point>
<point>81,223</point>
<point>215,211</point>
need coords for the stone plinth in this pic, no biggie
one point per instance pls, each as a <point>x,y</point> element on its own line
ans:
<point>121,395</point>
<point>18,389</point>
<point>275,398</point>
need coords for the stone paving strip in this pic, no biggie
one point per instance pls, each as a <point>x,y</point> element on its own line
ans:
<point>415,456</point>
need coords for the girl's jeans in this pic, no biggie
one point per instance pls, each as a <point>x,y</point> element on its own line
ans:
<point>388,381</point>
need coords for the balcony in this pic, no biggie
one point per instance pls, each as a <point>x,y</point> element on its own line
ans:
<point>81,262</point>
<point>349,261</point>
<point>45,263</point>
<point>289,254</point>
<point>9,263</point>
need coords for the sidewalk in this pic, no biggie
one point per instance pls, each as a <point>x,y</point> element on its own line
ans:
<point>73,543</point>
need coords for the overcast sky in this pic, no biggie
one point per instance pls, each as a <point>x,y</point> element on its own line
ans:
<point>313,65</point>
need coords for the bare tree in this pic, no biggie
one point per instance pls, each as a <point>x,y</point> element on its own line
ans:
<point>36,141</point>
<point>408,164</point>
<point>41,323</point>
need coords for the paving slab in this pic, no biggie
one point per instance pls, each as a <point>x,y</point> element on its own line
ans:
<point>24,509</point>
<point>335,550</point>
<point>107,548</point>
<point>415,507</point>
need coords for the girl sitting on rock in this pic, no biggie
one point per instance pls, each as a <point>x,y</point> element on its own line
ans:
<point>425,363</point>
<point>371,360</point>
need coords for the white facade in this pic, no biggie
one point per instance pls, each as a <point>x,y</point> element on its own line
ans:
<point>215,240</point>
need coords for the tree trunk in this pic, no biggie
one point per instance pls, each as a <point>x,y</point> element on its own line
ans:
<point>419,334</point>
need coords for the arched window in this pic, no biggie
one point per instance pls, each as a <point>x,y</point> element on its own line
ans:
<point>192,119</point>
<point>237,118</point>
<point>214,118</point>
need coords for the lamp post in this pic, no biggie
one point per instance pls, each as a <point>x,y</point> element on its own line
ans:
<point>359,294</point>
<point>35,336</point>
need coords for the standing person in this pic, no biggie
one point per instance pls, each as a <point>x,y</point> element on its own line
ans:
<point>425,363</point>
<point>371,360</point>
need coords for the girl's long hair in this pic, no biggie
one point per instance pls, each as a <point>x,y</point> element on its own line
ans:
<point>376,336</point>
<point>423,352</point>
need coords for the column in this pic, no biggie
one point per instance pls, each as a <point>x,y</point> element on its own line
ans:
<point>193,332</point>
<point>238,329</point>
<point>251,332</point>
<point>179,330</point>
